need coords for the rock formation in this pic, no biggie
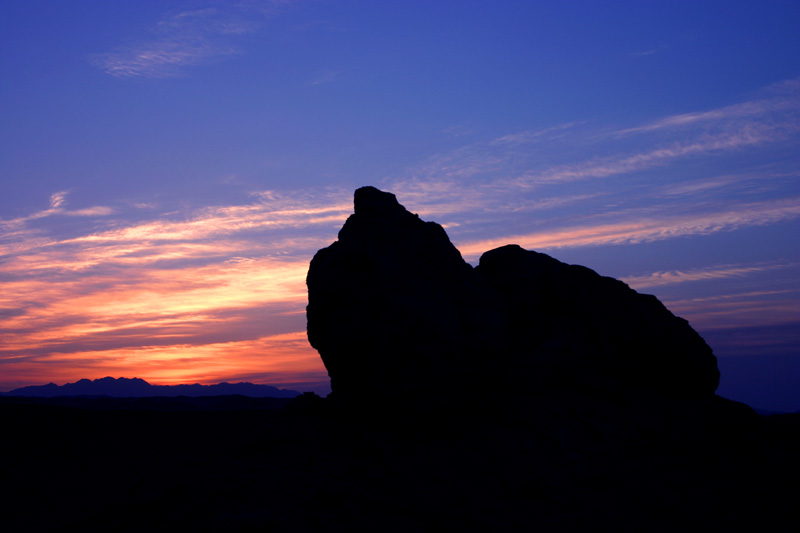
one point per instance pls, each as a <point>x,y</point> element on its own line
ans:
<point>572,327</point>
<point>395,312</point>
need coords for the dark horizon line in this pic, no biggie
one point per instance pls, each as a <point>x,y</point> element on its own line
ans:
<point>139,387</point>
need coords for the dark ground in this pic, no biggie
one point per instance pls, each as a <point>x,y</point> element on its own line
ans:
<point>233,463</point>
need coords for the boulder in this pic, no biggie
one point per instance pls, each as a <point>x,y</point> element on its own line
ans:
<point>396,313</point>
<point>394,310</point>
<point>573,328</point>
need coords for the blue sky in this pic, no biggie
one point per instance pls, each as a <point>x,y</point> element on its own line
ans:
<point>169,168</point>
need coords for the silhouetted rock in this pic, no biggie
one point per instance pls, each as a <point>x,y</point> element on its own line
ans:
<point>571,327</point>
<point>396,313</point>
<point>394,310</point>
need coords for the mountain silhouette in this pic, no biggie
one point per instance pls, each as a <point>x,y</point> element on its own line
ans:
<point>139,388</point>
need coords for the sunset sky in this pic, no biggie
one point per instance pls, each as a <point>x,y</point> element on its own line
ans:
<point>169,168</point>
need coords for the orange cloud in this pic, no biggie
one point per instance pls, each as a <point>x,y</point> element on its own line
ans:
<point>192,298</point>
<point>68,311</point>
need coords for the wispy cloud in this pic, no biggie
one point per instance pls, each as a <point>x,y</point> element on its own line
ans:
<point>752,309</point>
<point>187,38</point>
<point>734,139</point>
<point>57,199</point>
<point>527,137</point>
<point>645,230</point>
<point>536,161</point>
<point>154,303</point>
<point>58,202</point>
<point>781,98</point>
<point>326,76</point>
<point>657,279</point>
<point>753,181</point>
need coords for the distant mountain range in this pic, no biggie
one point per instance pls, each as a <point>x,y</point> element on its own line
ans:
<point>139,388</point>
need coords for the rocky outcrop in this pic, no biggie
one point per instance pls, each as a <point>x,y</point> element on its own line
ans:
<point>395,312</point>
<point>571,327</point>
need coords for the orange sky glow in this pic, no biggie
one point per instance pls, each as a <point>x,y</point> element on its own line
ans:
<point>210,298</point>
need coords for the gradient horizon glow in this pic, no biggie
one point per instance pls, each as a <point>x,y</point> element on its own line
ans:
<point>169,169</point>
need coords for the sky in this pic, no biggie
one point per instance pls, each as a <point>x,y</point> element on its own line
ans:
<point>169,168</point>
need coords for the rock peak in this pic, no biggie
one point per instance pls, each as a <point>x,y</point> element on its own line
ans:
<point>370,201</point>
